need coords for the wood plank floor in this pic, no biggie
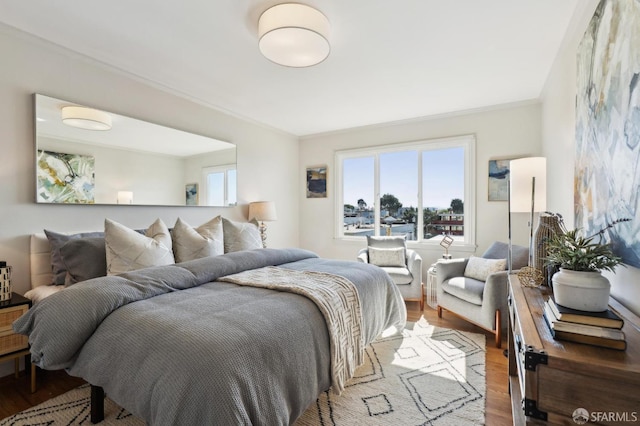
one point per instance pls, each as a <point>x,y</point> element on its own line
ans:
<point>15,394</point>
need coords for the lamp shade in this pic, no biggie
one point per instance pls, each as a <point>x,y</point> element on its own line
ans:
<point>521,172</point>
<point>125,197</point>
<point>86,118</point>
<point>294,35</point>
<point>263,211</point>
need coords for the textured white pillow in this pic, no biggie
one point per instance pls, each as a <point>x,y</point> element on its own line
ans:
<point>241,235</point>
<point>128,250</point>
<point>193,243</point>
<point>387,256</point>
<point>480,268</point>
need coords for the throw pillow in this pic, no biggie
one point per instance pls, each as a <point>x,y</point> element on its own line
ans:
<point>241,235</point>
<point>128,250</point>
<point>387,256</point>
<point>84,258</point>
<point>386,242</point>
<point>480,268</point>
<point>193,243</point>
<point>56,241</point>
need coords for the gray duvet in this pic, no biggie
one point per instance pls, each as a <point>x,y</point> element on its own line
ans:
<point>175,347</point>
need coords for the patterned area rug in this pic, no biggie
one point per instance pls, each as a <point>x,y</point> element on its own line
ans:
<point>426,376</point>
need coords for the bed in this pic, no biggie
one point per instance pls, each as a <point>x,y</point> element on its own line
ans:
<point>191,343</point>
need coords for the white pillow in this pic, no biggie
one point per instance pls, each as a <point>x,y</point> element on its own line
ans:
<point>42,291</point>
<point>394,257</point>
<point>241,235</point>
<point>480,268</point>
<point>193,243</point>
<point>128,250</point>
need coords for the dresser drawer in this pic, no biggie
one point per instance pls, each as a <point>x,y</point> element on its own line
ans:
<point>9,341</point>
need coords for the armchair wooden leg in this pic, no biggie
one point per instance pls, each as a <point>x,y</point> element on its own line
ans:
<point>439,309</point>
<point>498,329</point>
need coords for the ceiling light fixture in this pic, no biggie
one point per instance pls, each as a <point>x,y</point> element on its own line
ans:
<point>86,118</point>
<point>294,35</point>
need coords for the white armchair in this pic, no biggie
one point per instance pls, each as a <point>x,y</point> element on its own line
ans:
<point>403,265</point>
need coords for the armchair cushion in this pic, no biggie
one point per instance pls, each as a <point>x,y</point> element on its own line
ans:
<point>387,256</point>
<point>500,250</point>
<point>467,289</point>
<point>400,276</point>
<point>386,242</point>
<point>480,268</point>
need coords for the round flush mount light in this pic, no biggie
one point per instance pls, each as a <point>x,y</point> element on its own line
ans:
<point>86,118</point>
<point>294,35</point>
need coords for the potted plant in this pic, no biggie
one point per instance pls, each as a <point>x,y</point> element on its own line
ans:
<point>579,283</point>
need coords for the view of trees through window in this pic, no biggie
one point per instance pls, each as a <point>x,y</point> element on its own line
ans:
<point>426,180</point>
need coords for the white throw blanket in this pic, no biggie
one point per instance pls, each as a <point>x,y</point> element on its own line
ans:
<point>337,299</point>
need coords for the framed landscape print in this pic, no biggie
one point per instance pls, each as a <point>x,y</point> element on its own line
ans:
<point>317,182</point>
<point>499,180</point>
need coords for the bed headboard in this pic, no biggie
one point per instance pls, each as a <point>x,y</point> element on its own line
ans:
<point>40,260</point>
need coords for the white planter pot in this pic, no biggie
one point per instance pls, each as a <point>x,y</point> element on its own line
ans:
<point>585,291</point>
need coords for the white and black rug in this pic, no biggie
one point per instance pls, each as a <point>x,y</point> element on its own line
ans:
<point>426,376</point>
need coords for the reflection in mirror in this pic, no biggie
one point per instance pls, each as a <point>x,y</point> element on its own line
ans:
<point>130,162</point>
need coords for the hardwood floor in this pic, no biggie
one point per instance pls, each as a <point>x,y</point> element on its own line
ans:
<point>15,394</point>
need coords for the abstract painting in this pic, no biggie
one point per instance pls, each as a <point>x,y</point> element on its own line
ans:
<point>607,171</point>
<point>65,178</point>
<point>498,180</point>
<point>317,182</point>
<point>191,190</point>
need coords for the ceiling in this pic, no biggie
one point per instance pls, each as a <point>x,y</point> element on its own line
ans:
<point>389,60</point>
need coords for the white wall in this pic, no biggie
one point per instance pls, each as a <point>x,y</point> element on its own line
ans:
<point>558,136</point>
<point>34,66</point>
<point>502,132</point>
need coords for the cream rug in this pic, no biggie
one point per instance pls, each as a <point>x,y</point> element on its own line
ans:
<point>426,376</point>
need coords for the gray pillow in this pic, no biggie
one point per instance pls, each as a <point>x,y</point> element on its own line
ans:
<point>56,241</point>
<point>241,235</point>
<point>84,258</point>
<point>193,243</point>
<point>500,250</point>
<point>386,242</point>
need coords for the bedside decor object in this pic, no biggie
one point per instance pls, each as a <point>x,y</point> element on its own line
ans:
<point>5,281</point>
<point>263,211</point>
<point>548,226</point>
<point>579,284</point>
<point>446,243</point>
<point>294,35</point>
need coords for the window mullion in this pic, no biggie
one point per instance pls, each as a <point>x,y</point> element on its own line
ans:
<point>376,190</point>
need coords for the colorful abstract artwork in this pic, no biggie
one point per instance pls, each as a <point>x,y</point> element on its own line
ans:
<point>607,173</point>
<point>498,180</point>
<point>65,178</point>
<point>317,182</point>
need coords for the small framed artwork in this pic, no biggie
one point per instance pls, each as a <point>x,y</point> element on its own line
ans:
<point>191,190</point>
<point>317,182</point>
<point>499,180</point>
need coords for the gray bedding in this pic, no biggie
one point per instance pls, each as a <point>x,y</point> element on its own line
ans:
<point>175,347</point>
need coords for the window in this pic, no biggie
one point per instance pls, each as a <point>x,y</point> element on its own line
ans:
<point>220,185</point>
<point>422,190</point>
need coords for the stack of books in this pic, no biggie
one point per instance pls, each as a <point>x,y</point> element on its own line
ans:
<point>602,329</point>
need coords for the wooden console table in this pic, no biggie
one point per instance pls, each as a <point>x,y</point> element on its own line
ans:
<point>550,379</point>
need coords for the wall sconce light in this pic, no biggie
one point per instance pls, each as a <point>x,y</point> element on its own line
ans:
<point>263,211</point>
<point>294,35</point>
<point>125,197</point>
<point>86,118</point>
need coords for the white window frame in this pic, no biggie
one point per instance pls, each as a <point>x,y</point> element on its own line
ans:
<point>206,171</point>
<point>466,142</point>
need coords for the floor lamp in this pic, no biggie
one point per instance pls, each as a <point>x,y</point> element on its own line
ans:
<point>527,193</point>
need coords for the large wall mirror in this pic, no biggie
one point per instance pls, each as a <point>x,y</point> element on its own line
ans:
<point>90,156</point>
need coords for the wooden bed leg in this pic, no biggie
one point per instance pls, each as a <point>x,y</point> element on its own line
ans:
<point>97,404</point>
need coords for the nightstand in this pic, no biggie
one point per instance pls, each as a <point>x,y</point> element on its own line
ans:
<point>12,345</point>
